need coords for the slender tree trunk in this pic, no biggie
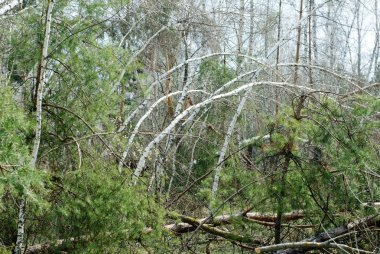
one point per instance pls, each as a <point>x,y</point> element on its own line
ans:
<point>170,62</point>
<point>305,34</point>
<point>45,47</point>
<point>278,51</point>
<point>37,139</point>
<point>309,46</point>
<point>347,41</point>
<point>298,43</point>
<point>231,127</point>
<point>251,21</point>
<point>122,104</point>
<point>377,39</point>
<point>240,37</point>
<point>266,32</point>
<point>358,29</point>
<point>330,30</point>
<point>373,57</point>
<point>227,138</point>
<point>238,110</point>
<point>20,226</point>
<point>186,68</point>
<point>375,52</point>
<point>314,20</point>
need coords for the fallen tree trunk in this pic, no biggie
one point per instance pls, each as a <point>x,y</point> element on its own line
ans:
<point>310,246</point>
<point>326,239</point>
<point>266,219</point>
<point>189,224</point>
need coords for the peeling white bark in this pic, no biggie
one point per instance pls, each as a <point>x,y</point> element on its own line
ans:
<point>169,128</point>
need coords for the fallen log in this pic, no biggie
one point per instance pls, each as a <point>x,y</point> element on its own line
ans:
<point>327,239</point>
<point>266,219</point>
<point>189,224</point>
<point>324,240</point>
<point>310,246</point>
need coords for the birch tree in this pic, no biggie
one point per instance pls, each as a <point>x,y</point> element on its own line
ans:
<point>6,6</point>
<point>37,139</point>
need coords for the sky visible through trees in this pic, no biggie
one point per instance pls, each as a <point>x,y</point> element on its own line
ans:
<point>245,126</point>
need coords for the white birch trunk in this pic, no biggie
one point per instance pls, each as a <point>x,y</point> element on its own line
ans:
<point>9,6</point>
<point>20,227</point>
<point>215,96</point>
<point>163,76</point>
<point>227,138</point>
<point>141,120</point>
<point>174,122</point>
<point>223,87</point>
<point>178,109</point>
<point>37,139</point>
<point>45,47</point>
<point>169,72</point>
<point>231,127</point>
